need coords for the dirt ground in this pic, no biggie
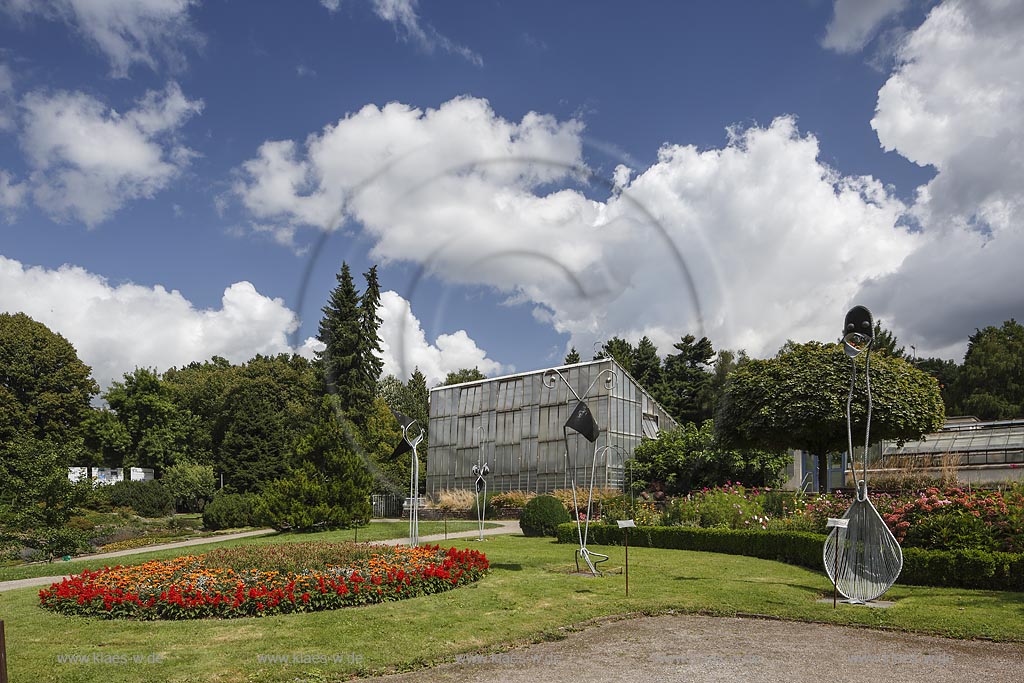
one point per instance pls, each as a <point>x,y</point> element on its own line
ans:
<point>711,649</point>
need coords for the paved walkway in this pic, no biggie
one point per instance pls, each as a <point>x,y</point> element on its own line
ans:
<point>503,528</point>
<point>726,650</point>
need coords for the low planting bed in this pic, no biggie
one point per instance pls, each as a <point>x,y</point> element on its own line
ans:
<point>259,580</point>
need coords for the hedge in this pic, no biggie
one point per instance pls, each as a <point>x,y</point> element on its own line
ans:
<point>948,568</point>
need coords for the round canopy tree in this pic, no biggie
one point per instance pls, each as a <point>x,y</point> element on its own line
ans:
<point>798,400</point>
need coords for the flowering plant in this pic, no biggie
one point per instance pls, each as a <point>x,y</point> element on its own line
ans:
<point>233,583</point>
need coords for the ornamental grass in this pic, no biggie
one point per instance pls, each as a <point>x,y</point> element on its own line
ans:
<point>253,581</point>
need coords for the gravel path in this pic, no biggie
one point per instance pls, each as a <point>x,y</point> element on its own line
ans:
<point>503,528</point>
<point>727,650</point>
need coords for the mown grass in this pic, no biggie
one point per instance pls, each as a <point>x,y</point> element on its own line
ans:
<point>530,595</point>
<point>377,531</point>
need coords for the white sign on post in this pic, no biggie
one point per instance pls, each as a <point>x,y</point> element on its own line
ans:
<point>626,524</point>
<point>837,523</point>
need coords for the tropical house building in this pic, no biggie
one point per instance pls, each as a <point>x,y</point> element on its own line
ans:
<point>514,424</point>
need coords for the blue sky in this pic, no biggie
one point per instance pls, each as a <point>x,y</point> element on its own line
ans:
<point>562,172</point>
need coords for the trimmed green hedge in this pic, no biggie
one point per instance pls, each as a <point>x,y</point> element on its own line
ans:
<point>952,568</point>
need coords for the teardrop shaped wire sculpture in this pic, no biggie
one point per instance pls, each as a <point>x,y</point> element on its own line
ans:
<point>864,559</point>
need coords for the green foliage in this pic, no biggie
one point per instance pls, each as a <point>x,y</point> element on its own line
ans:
<point>798,400</point>
<point>380,435</point>
<point>255,437</point>
<point>36,494</point>
<point>957,568</point>
<point>463,375</point>
<point>646,365</point>
<point>44,388</point>
<point>106,439</point>
<point>572,357</point>
<point>990,384</point>
<point>688,458</point>
<point>190,484</point>
<point>542,515</point>
<point>339,333</point>
<point>716,508</point>
<point>951,528</point>
<point>230,511</point>
<point>685,389</point>
<point>619,349</point>
<point>328,485</point>
<point>157,429</point>
<point>624,507</point>
<point>370,361</point>
<point>147,498</point>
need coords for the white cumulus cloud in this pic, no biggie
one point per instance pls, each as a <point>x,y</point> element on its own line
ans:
<point>89,160</point>
<point>766,240</point>
<point>406,348</point>
<point>127,32</point>
<point>955,101</point>
<point>855,22</point>
<point>117,327</point>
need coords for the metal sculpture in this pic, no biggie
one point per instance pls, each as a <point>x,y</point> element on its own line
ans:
<point>863,559</point>
<point>481,470</point>
<point>582,421</point>
<point>409,443</point>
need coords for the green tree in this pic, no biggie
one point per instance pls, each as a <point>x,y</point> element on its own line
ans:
<point>392,391</point>
<point>340,332</point>
<point>190,483</point>
<point>685,389</point>
<point>381,435</point>
<point>885,343</point>
<point>200,389</point>
<point>798,400</point>
<point>252,435</point>
<point>726,363</point>
<point>646,364</point>
<point>370,353</point>
<point>620,350</point>
<point>328,485</point>
<point>45,388</point>
<point>946,372</point>
<point>158,430</point>
<point>689,458</point>
<point>463,375</point>
<point>45,391</point>
<point>107,441</point>
<point>572,357</point>
<point>990,384</point>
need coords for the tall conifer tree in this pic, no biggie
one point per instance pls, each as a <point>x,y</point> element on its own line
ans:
<point>339,332</point>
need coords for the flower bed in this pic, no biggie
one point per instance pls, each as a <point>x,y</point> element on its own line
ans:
<point>263,580</point>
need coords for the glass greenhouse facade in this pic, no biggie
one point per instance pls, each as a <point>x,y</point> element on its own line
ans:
<point>514,424</point>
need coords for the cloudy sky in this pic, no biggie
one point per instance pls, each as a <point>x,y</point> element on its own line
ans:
<point>183,178</point>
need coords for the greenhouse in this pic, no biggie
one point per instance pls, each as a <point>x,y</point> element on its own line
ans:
<point>515,425</point>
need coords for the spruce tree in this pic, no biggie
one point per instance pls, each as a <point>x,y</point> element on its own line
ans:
<point>572,357</point>
<point>339,332</point>
<point>369,327</point>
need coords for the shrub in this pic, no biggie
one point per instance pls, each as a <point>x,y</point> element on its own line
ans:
<point>456,500</point>
<point>512,499</point>
<point>954,568</point>
<point>190,484</point>
<point>230,511</point>
<point>600,495</point>
<point>542,515</point>
<point>623,507</point>
<point>147,498</point>
<point>727,508</point>
<point>306,500</point>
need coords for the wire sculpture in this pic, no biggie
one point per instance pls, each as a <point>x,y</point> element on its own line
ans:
<point>863,560</point>
<point>582,421</point>
<point>481,470</point>
<point>408,444</point>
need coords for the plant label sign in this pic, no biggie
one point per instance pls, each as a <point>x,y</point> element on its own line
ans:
<point>626,523</point>
<point>837,523</point>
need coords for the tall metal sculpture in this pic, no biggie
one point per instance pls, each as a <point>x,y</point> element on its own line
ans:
<point>863,559</point>
<point>582,421</point>
<point>480,471</point>
<point>409,443</point>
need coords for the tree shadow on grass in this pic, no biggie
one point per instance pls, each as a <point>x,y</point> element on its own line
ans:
<point>508,567</point>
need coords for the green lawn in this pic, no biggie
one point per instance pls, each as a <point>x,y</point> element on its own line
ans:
<point>377,531</point>
<point>528,596</point>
